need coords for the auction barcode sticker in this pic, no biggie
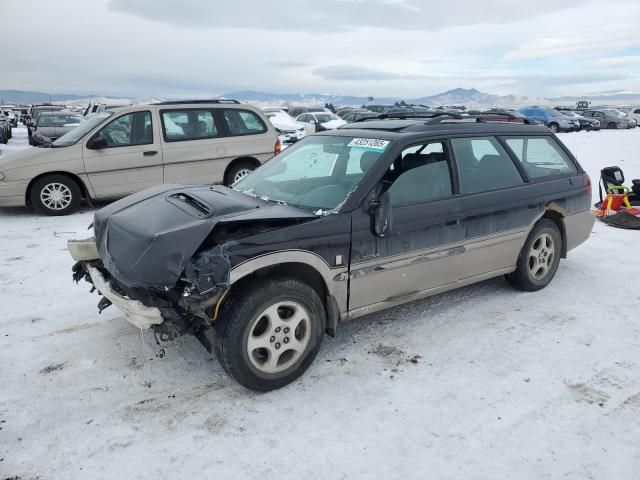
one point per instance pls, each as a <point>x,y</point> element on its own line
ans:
<point>371,143</point>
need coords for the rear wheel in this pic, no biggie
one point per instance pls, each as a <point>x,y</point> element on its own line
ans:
<point>269,332</point>
<point>238,171</point>
<point>539,258</point>
<point>55,195</point>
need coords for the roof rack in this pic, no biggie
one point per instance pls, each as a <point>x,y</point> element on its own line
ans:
<point>489,117</point>
<point>184,102</point>
<point>401,116</point>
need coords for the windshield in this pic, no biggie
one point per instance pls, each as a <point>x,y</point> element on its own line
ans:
<point>58,120</point>
<point>72,137</point>
<point>317,173</point>
<point>325,117</point>
<point>555,113</point>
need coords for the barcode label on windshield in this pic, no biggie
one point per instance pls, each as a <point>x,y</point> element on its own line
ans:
<point>370,143</point>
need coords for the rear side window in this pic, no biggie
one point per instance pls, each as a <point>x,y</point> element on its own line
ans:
<point>541,156</point>
<point>183,125</point>
<point>483,165</point>
<point>244,122</point>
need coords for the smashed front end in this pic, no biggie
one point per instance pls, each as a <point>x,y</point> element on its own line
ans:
<point>162,255</point>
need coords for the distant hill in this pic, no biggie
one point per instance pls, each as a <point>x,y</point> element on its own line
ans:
<point>458,96</point>
<point>27,97</point>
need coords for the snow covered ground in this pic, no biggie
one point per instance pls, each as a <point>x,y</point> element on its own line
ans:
<point>481,383</point>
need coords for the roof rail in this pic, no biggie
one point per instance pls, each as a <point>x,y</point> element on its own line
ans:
<point>402,116</point>
<point>184,102</point>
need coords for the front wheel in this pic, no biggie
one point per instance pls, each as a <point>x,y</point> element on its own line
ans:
<point>269,332</point>
<point>539,258</point>
<point>55,195</point>
<point>554,127</point>
<point>612,126</point>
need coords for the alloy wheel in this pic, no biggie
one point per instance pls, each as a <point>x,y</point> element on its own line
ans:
<point>541,256</point>
<point>278,337</point>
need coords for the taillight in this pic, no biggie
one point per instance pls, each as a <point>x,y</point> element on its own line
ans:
<point>586,183</point>
<point>277,148</point>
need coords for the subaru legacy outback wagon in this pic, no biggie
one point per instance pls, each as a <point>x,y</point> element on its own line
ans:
<point>342,224</point>
<point>125,150</point>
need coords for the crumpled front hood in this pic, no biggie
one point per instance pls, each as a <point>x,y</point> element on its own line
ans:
<point>146,239</point>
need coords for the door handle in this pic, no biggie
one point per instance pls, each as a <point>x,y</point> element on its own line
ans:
<point>150,153</point>
<point>452,221</point>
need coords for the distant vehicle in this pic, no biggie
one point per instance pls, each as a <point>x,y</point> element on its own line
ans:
<point>35,112</point>
<point>119,152</point>
<point>356,115</point>
<point>585,123</point>
<point>583,105</point>
<point>379,108</point>
<point>53,125</point>
<point>317,121</point>
<point>634,113</point>
<point>295,112</point>
<point>553,119</point>
<point>13,116</point>
<point>5,127</point>
<point>617,111</point>
<point>609,118</point>
<point>288,129</point>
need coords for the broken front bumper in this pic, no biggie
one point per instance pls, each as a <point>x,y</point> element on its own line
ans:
<point>171,312</point>
<point>135,312</point>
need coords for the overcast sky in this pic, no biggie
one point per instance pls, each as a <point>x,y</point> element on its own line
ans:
<point>405,48</point>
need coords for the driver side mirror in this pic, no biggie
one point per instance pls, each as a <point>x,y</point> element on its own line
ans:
<point>97,143</point>
<point>381,215</point>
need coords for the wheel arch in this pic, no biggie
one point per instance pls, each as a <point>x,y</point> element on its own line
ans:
<point>249,159</point>
<point>558,218</point>
<point>83,187</point>
<point>304,266</point>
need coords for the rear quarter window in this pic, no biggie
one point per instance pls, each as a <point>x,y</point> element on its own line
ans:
<point>243,122</point>
<point>541,156</point>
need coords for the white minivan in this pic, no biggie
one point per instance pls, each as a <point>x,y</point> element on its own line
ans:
<point>118,152</point>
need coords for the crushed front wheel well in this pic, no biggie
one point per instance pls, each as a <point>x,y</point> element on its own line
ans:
<point>304,273</point>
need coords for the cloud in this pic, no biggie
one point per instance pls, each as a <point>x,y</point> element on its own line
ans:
<point>358,73</point>
<point>322,16</point>
<point>620,61</point>
<point>287,64</point>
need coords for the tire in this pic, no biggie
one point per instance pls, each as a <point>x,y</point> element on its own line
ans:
<point>539,258</point>
<point>612,126</point>
<point>237,171</point>
<point>247,312</point>
<point>63,197</point>
<point>554,127</point>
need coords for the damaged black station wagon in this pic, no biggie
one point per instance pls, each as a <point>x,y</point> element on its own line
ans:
<point>343,223</point>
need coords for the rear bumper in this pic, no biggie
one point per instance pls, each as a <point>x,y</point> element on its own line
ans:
<point>578,228</point>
